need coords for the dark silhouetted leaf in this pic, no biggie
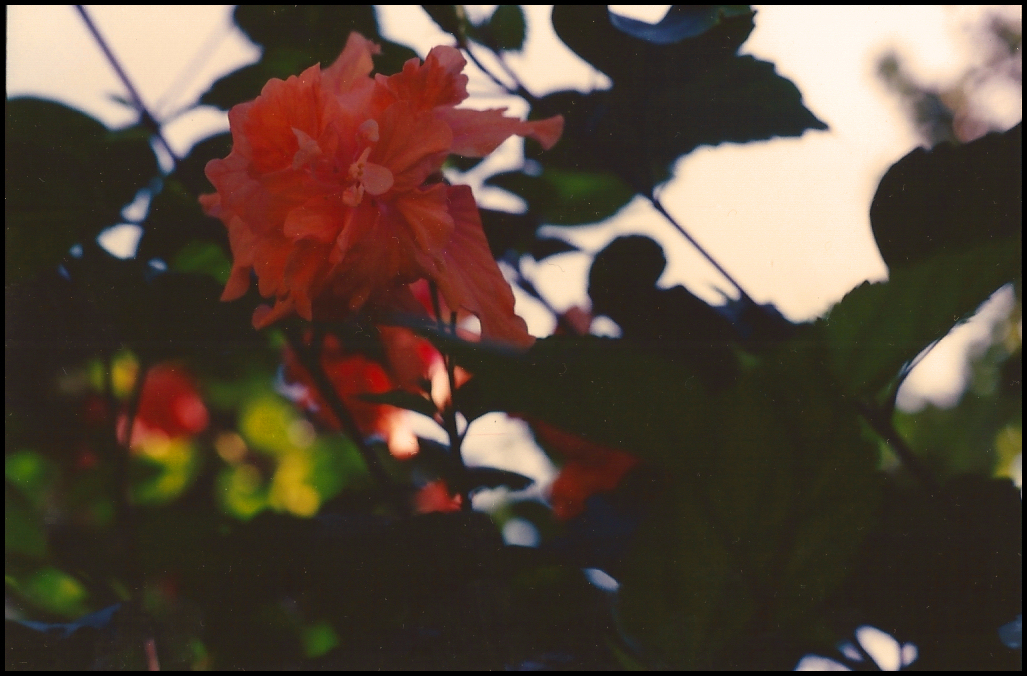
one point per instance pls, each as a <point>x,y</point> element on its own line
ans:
<point>508,232</point>
<point>878,328</point>
<point>450,18</point>
<point>950,198</point>
<point>760,530</point>
<point>673,323</point>
<point>543,248</point>
<point>562,197</point>
<point>490,477</point>
<point>505,29</point>
<point>176,220</point>
<point>957,551</point>
<point>680,22</point>
<point>294,38</point>
<point>68,177</point>
<point>403,399</point>
<point>667,99</point>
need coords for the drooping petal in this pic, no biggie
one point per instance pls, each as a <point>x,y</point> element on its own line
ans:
<point>265,315</point>
<point>304,273</point>
<point>477,133</point>
<point>242,243</point>
<point>427,213</point>
<point>472,280</point>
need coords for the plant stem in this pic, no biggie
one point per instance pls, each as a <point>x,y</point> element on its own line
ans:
<point>881,422</point>
<point>449,414</point>
<point>310,357</point>
<point>120,452</point>
<point>517,90</point>
<point>691,240</point>
<point>147,120</point>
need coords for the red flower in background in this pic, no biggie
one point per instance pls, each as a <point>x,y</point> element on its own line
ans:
<point>588,468</point>
<point>169,407</point>
<point>328,193</point>
<point>435,497</point>
<point>351,374</point>
<point>410,362</point>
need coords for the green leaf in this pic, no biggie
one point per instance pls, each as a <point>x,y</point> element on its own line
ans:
<point>950,198</point>
<point>294,38</point>
<point>24,532</point>
<point>450,18</point>
<point>598,388</point>
<point>761,529</point>
<point>876,329</point>
<point>505,30</point>
<point>203,258</point>
<point>565,197</point>
<point>175,220</point>
<point>667,99</point>
<point>68,177</point>
<point>403,399</point>
<point>680,22</point>
<point>544,248</point>
<point>489,477</point>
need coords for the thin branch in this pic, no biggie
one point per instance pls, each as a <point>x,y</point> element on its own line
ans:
<point>449,414</point>
<point>517,90</point>
<point>192,69</point>
<point>529,288</point>
<point>881,422</point>
<point>147,120</point>
<point>310,357</point>
<point>691,240</point>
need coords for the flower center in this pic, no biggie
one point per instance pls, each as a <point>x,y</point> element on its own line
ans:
<point>367,176</point>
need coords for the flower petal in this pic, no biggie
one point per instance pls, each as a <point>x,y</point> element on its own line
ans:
<point>471,279</point>
<point>427,213</point>
<point>412,145</point>
<point>377,179</point>
<point>477,133</point>
<point>436,82</point>
<point>318,219</point>
<point>353,64</point>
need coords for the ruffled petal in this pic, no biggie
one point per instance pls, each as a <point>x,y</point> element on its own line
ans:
<point>354,64</point>
<point>477,133</point>
<point>427,213</point>
<point>318,219</point>
<point>412,145</point>
<point>471,279</point>
<point>268,122</point>
<point>436,82</point>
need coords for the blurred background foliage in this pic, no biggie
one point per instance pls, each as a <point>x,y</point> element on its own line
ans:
<point>738,490</point>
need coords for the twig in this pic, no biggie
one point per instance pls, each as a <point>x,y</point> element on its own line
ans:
<point>881,423</point>
<point>449,414</point>
<point>123,512</point>
<point>147,120</point>
<point>310,357</point>
<point>691,240</point>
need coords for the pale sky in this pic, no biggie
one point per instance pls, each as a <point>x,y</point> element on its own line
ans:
<point>787,218</point>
